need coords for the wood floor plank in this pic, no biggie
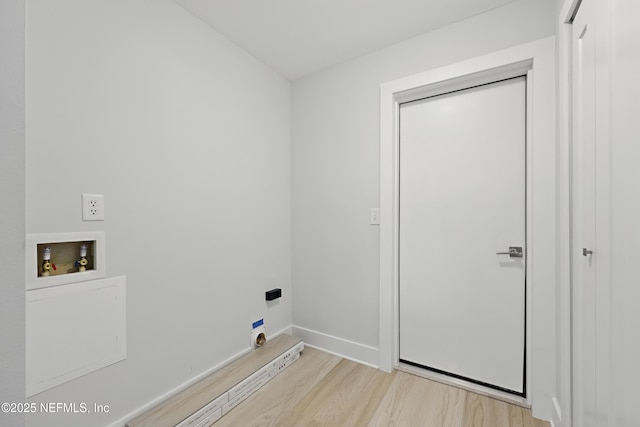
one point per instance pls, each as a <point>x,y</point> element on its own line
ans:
<point>323,390</point>
<point>411,401</point>
<point>347,396</point>
<point>482,411</point>
<point>180,406</point>
<point>273,403</point>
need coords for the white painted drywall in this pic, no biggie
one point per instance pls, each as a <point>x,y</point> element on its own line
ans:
<point>625,212</point>
<point>188,138</point>
<point>12,206</point>
<point>335,172</point>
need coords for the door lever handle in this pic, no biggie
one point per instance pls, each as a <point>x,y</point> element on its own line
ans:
<point>514,252</point>
<point>586,252</point>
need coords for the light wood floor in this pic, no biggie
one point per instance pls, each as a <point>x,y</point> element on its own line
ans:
<point>325,390</point>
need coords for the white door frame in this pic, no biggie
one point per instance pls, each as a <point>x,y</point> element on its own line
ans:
<point>562,405</point>
<point>537,60</point>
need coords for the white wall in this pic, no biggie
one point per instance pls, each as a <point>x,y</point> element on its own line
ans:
<point>625,213</point>
<point>188,138</point>
<point>12,222</point>
<point>335,175</point>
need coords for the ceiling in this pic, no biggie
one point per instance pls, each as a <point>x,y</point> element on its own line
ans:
<point>299,37</point>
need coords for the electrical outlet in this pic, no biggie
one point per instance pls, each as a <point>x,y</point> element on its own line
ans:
<point>92,207</point>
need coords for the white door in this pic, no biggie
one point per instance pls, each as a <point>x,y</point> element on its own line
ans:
<point>462,201</point>
<point>584,208</point>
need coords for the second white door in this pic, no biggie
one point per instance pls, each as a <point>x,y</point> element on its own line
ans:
<point>462,210</point>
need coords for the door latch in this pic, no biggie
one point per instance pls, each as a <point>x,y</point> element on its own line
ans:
<point>514,252</point>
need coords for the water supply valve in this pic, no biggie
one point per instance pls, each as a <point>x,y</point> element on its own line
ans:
<point>47,265</point>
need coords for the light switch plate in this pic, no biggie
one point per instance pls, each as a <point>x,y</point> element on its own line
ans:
<point>374,218</point>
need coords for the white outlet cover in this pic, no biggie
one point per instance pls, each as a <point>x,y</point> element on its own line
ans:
<point>92,207</point>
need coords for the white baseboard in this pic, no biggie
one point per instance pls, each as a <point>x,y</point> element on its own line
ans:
<point>285,331</point>
<point>340,347</point>
<point>556,414</point>
<point>123,421</point>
